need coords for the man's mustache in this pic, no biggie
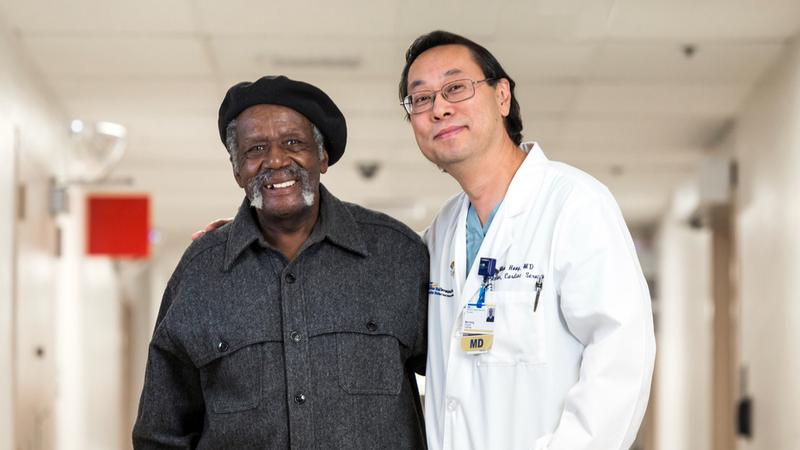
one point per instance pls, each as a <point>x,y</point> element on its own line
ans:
<point>270,176</point>
<point>267,176</point>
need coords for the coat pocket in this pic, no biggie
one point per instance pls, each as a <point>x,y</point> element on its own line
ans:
<point>369,363</point>
<point>520,332</point>
<point>240,371</point>
<point>233,382</point>
<point>371,346</point>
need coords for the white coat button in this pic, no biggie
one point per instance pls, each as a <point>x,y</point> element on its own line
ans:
<point>452,405</point>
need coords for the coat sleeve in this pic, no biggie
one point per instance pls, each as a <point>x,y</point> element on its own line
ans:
<point>171,407</point>
<point>605,303</point>
<point>418,359</point>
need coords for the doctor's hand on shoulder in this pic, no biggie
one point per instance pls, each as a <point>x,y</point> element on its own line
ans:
<point>210,227</point>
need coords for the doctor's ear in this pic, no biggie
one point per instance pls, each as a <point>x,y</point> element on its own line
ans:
<point>503,94</point>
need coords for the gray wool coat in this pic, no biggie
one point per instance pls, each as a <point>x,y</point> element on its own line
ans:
<point>252,351</point>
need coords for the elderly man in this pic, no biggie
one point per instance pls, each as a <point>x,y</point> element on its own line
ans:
<point>540,327</point>
<point>299,324</point>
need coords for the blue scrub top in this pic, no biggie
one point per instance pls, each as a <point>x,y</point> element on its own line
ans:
<point>476,232</point>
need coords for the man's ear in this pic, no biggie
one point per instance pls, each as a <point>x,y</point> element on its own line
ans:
<point>503,95</point>
<point>323,163</point>
<point>236,175</point>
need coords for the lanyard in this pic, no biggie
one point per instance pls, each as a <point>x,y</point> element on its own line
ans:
<point>487,268</point>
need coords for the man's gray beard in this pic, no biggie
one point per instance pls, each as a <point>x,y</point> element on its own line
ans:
<point>263,177</point>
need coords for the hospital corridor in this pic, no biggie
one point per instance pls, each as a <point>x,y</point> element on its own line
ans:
<point>115,147</point>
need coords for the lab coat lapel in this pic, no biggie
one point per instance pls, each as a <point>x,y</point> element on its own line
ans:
<point>495,245</point>
<point>458,249</point>
<point>508,224</point>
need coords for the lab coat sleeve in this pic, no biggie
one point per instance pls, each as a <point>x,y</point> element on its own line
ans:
<point>605,303</point>
<point>171,407</point>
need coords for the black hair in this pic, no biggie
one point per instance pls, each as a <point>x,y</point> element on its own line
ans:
<point>486,61</point>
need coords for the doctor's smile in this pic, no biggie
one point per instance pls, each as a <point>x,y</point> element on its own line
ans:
<point>449,132</point>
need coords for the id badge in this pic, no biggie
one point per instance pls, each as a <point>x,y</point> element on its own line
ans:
<point>478,328</point>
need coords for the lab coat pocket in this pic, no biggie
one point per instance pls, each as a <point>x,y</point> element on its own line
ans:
<point>519,333</point>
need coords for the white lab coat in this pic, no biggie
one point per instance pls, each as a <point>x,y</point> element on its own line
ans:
<point>575,374</point>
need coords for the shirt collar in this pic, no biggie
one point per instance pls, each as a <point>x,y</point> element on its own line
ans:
<point>335,223</point>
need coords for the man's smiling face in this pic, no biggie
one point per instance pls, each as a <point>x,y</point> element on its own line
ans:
<point>450,133</point>
<point>279,162</point>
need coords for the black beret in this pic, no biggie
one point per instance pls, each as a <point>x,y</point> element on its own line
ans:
<point>302,97</point>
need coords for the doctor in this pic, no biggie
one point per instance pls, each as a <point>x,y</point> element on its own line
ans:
<point>567,359</point>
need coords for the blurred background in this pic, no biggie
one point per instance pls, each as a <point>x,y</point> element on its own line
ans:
<point>689,110</point>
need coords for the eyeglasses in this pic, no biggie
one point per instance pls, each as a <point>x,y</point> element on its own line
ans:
<point>454,92</point>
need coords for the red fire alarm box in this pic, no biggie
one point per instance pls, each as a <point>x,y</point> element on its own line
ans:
<point>118,225</point>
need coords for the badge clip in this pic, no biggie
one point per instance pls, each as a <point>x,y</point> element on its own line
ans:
<point>487,267</point>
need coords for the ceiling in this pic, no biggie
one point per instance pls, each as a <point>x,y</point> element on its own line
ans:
<point>632,91</point>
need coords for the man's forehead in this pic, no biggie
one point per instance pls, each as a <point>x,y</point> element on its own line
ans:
<point>277,114</point>
<point>264,122</point>
<point>447,73</point>
<point>439,63</point>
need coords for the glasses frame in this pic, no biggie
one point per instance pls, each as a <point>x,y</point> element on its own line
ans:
<point>406,103</point>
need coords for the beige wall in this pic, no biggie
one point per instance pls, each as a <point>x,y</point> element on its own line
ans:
<point>682,410</point>
<point>60,343</point>
<point>30,131</point>
<point>765,142</point>
<point>82,392</point>
<point>102,346</point>
<point>6,290</point>
<point>89,344</point>
<point>768,231</point>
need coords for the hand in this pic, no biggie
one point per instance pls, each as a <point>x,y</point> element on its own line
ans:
<point>210,227</point>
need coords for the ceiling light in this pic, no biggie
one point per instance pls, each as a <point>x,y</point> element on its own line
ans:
<point>311,62</point>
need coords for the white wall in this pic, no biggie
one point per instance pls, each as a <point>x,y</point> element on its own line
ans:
<point>70,404</point>
<point>6,257</point>
<point>768,227</point>
<point>137,286</point>
<point>102,347</point>
<point>89,348</point>
<point>682,407</point>
<point>59,314</point>
<point>26,322</point>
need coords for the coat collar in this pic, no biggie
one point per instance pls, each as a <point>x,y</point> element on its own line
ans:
<point>526,182</point>
<point>525,185</point>
<point>335,223</point>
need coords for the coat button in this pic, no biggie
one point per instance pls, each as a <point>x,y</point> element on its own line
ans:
<point>299,398</point>
<point>296,336</point>
<point>372,326</point>
<point>452,405</point>
<point>290,278</point>
<point>222,346</point>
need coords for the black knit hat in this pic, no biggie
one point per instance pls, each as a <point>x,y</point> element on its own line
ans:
<point>302,97</point>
